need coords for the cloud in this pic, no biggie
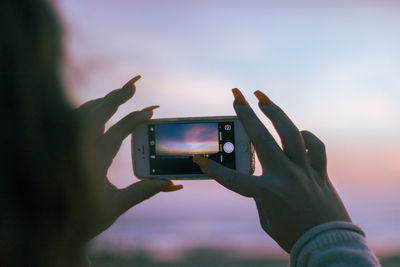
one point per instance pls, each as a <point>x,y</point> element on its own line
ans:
<point>356,99</point>
<point>186,139</point>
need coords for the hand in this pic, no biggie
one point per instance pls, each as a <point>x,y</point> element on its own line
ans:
<point>99,149</point>
<point>294,193</point>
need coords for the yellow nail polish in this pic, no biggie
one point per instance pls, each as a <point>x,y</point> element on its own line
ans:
<point>171,188</point>
<point>201,161</point>
<point>151,108</point>
<point>262,98</point>
<point>132,81</point>
<point>239,98</point>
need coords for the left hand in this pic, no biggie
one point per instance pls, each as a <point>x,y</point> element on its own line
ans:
<point>99,150</point>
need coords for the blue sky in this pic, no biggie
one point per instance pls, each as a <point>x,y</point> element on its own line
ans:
<point>333,66</point>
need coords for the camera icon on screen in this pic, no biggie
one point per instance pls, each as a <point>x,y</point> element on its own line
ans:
<point>227,127</point>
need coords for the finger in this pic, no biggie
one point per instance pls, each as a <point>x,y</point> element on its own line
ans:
<point>171,188</point>
<point>109,185</point>
<point>243,184</point>
<point>267,149</point>
<point>315,151</point>
<point>90,105</point>
<point>113,100</point>
<point>292,141</point>
<point>138,192</point>
<point>111,141</point>
<point>262,214</point>
<point>86,112</point>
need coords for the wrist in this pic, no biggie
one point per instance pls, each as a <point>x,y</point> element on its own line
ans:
<point>323,235</point>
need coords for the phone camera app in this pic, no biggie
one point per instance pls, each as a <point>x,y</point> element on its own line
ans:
<point>228,147</point>
<point>173,145</point>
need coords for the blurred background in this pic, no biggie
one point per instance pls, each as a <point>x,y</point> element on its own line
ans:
<point>333,66</point>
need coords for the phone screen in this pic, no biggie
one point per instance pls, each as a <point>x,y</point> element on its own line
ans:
<point>172,146</point>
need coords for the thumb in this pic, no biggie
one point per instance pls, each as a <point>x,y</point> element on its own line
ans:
<point>142,190</point>
<point>240,183</point>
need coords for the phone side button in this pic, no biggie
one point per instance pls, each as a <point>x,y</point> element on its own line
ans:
<point>242,147</point>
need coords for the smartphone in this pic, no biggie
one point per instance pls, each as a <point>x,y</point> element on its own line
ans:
<point>164,148</point>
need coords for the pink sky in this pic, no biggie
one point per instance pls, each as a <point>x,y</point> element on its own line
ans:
<point>334,68</point>
<point>187,139</point>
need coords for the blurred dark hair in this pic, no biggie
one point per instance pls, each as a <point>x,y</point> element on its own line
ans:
<point>42,185</point>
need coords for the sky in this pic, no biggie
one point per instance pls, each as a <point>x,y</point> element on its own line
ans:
<point>186,139</point>
<point>332,66</point>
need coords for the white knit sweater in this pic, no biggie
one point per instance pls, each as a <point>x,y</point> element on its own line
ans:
<point>333,244</point>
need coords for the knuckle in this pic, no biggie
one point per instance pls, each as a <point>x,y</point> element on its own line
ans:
<point>276,114</point>
<point>250,120</point>
<point>133,119</point>
<point>262,190</point>
<point>313,140</point>
<point>259,137</point>
<point>263,142</point>
<point>292,134</point>
<point>306,133</point>
<point>319,145</point>
<point>246,113</point>
<point>273,111</point>
<point>277,185</point>
<point>133,116</point>
<point>231,178</point>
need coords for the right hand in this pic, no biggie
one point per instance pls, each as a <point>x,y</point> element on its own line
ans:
<point>294,193</point>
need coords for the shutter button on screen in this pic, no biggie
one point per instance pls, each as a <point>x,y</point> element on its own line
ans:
<point>228,147</point>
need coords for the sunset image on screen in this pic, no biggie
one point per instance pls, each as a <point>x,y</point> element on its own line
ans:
<point>186,139</point>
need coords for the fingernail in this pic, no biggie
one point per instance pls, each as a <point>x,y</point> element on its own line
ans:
<point>151,108</point>
<point>171,188</point>
<point>131,82</point>
<point>262,98</point>
<point>201,161</point>
<point>239,98</point>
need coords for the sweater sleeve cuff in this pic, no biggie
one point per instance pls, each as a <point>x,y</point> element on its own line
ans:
<point>320,237</point>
